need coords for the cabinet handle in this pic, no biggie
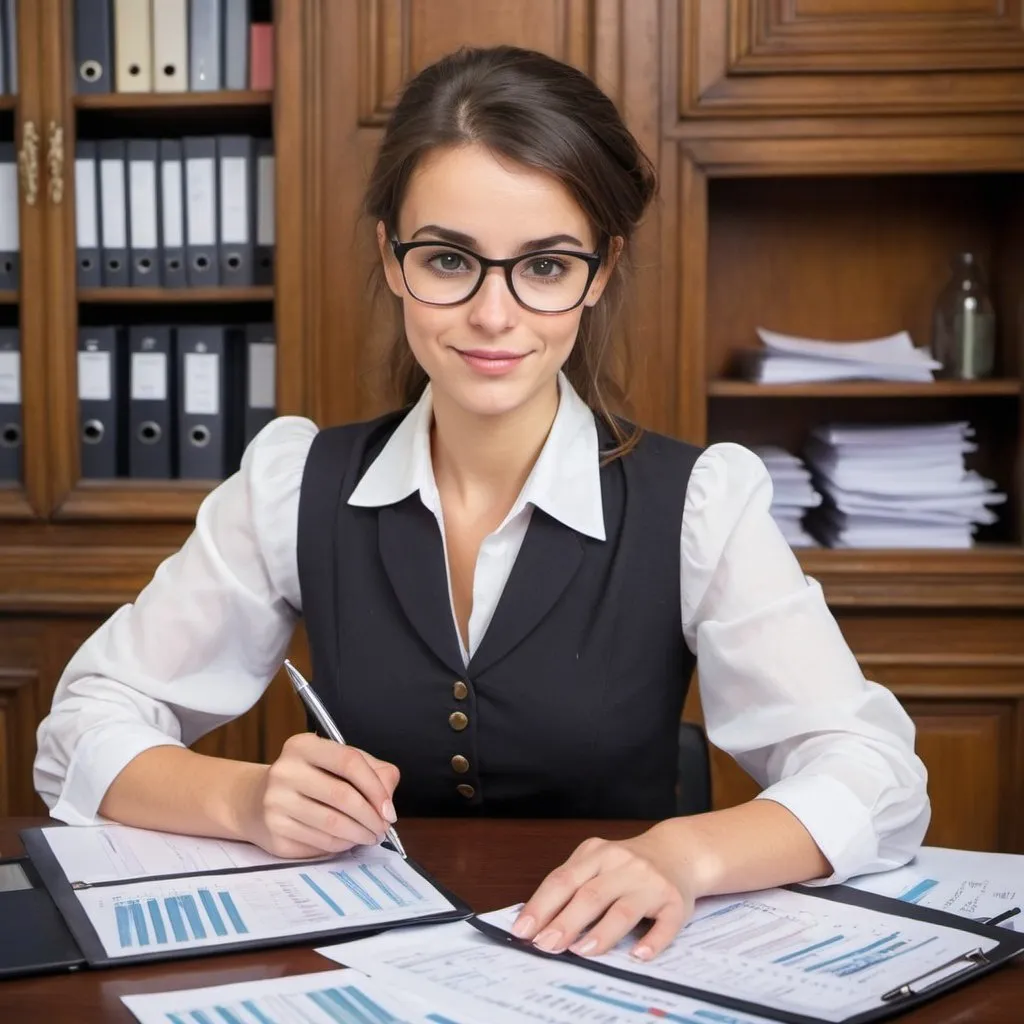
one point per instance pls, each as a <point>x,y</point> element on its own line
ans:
<point>55,163</point>
<point>28,162</point>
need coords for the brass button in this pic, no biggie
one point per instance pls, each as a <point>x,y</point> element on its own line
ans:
<point>460,764</point>
<point>467,791</point>
<point>460,690</point>
<point>458,721</point>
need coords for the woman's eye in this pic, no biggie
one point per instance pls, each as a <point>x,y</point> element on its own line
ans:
<point>544,267</point>
<point>448,262</point>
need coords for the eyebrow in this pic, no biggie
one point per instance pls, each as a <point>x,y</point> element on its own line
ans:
<point>469,242</point>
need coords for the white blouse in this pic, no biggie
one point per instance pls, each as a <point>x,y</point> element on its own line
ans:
<point>780,690</point>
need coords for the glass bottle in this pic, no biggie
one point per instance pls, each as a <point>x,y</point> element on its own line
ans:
<point>964,326</point>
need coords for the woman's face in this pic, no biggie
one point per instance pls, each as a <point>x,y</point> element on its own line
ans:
<point>488,356</point>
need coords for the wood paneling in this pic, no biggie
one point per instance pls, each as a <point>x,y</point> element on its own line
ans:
<point>18,718</point>
<point>742,58</point>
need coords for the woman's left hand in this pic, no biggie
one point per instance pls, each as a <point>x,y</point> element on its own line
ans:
<point>603,891</point>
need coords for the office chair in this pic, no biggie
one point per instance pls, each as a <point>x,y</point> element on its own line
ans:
<point>693,781</point>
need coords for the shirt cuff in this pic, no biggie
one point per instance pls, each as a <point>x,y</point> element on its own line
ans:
<point>98,759</point>
<point>837,821</point>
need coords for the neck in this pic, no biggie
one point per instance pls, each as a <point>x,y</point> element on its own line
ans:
<point>484,461</point>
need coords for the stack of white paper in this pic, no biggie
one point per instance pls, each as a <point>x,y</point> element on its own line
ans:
<point>790,360</point>
<point>898,486</point>
<point>793,493</point>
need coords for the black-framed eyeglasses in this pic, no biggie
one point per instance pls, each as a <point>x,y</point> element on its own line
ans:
<point>546,281</point>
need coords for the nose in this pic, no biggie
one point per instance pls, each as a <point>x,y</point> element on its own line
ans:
<point>494,308</point>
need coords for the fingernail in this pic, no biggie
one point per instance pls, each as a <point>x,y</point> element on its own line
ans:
<point>584,947</point>
<point>548,941</point>
<point>388,810</point>
<point>642,953</point>
<point>522,928</point>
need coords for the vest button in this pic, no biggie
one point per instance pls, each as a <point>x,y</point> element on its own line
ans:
<point>458,721</point>
<point>467,791</point>
<point>460,764</point>
<point>460,690</point>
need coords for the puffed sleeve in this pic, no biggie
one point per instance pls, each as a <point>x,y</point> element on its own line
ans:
<point>780,690</point>
<point>198,646</point>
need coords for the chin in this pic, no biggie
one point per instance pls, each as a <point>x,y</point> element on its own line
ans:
<point>489,398</point>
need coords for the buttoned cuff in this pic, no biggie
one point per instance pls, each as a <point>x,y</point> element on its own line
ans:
<point>837,821</point>
<point>98,759</point>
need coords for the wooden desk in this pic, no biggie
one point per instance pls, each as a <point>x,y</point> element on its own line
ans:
<point>488,862</point>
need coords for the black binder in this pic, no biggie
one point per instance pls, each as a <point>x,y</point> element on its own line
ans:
<point>44,929</point>
<point>236,209</point>
<point>94,46</point>
<point>10,406</point>
<point>100,401</point>
<point>151,439</point>
<point>201,228</point>
<point>913,992</point>
<point>206,419</point>
<point>87,215</point>
<point>172,215</point>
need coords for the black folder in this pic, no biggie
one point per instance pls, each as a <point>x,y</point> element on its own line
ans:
<point>207,421</point>
<point>101,403</point>
<point>201,202</point>
<point>172,215</point>
<point>10,406</point>
<point>236,209</point>
<point>94,45</point>
<point>44,929</point>
<point>913,992</point>
<point>151,406</point>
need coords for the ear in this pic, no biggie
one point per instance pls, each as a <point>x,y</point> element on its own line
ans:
<point>392,271</point>
<point>601,278</point>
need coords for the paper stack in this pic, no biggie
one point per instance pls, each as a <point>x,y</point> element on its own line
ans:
<point>792,493</point>
<point>790,360</point>
<point>898,486</point>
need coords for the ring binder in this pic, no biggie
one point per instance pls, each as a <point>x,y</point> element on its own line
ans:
<point>974,958</point>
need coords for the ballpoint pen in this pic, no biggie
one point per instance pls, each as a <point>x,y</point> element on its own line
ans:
<point>320,713</point>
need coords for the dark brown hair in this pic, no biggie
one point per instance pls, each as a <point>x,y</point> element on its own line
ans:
<point>542,114</point>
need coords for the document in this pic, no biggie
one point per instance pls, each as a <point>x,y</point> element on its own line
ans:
<point>975,885</point>
<point>328,997</point>
<point>456,969</point>
<point>362,888</point>
<point>115,853</point>
<point>789,951</point>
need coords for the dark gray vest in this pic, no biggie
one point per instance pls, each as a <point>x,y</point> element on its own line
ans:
<point>570,706</point>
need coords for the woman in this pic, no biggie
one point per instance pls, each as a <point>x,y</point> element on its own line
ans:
<point>505,195</point>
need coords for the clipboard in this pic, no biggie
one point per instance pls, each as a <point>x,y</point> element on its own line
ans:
<point>913,992</point>
<point>67,939</point>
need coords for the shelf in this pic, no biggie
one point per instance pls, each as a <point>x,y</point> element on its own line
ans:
<point>138,500</point>
<point>8,297</point>
<point>173,100</point>
<point>171,296</point>
<point>8,102</point>
<point>865,389</point>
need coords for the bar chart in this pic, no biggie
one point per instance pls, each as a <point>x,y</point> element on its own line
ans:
<point>177,918</point>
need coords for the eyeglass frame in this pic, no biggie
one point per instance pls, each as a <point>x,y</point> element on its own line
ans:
<point>592,259</point>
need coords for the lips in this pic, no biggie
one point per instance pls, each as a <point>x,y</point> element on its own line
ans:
<point>491,362</point>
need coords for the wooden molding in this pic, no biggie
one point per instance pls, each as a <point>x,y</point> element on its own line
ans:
<point>739,58</point>
<point>134,500</point>
<point>18,720</point>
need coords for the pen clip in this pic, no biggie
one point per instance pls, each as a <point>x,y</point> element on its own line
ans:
<point>974,958</point>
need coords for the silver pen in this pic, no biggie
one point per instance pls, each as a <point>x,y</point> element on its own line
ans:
<point>319,712</point>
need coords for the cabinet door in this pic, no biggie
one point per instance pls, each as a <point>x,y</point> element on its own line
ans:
<point>790,57</point>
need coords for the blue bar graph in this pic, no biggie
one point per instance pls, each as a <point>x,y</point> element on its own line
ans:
<point>916,892</point>
<point>227,1016</point>
<point>846,957</point>
<point>201,1018</point>
<point>376,1013</point>
<point>438,1019</point>
<point>188,904</point>
<point>232,911</point>
<point>347,1006</point>
<point>158,921</point>
<point>139,920</point>
<point>124,924</point>
<point>382,885</point>
<point>796,954</point>
<point>257,1012</point>
<point>210,906</point>
<point>175,1019</point>
<point>356,889</point>
<point>323,895</point>
<point>403,882</point>
<point>177,921</point>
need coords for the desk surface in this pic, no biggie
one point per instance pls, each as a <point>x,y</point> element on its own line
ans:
<point>490,863</point>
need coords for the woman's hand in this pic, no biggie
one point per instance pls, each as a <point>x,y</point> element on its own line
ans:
<point>604,890</point>
<point>319,797</point>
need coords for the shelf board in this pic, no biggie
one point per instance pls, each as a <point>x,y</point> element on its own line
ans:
<point>8,297</point>
<point>137,500</point>
<point>124,296</point>
<point>8,102</point>
<point>173,100</point>
<point>865,389</point>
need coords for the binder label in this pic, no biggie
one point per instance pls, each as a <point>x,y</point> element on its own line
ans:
<point>10,378</point>
<point>94,383</point>
<point>142,196</point>
<point>174,233</point>
<point>265,201</point>
<point>202,209</point>
<point>261,375</point>
<point>8,207</point>
<point>234,200</point>
<point>149,376</point>
<point>86,226</point>
<point>202,384</point>
<point>112,183</point>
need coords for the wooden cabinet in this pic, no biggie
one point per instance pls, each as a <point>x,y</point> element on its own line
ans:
<point>785,58</point>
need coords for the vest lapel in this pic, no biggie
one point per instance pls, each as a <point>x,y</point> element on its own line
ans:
<point>547,561</point>
<point>413,555</point>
